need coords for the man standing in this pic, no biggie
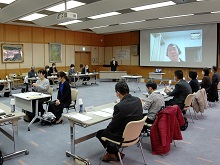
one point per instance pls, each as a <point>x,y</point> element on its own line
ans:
<point>128,109</point>
<point>113,64</point>
<point>181,91</point>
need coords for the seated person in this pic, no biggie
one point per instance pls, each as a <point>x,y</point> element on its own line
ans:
<point>206,80</point>
<point>194,83</point>
<point>32,72</point>
<point>47,69</point>
<point>181,91</point>
<point>63,97</point>
<point>53,68</point>
<point>153,103</point>
<point>71,72</point>
<point>213,91</point>
<point>85,70</point>
<point>128,109</point>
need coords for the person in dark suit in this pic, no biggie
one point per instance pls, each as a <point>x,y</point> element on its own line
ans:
<point>53,68</point>
<point>63,97</point>
<point>32,72</point>
<point>181,91</point>
<point>85,70</point>
<point>194,83</point>
<point>213,91</point>
<point>128,109</point>
<point>113,64</point>
<point>206,80</point>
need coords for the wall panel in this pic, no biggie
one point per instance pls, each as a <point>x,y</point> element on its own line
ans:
<point>70,55</point>
<point>1,32</point>
<point>87,39</point>
<point>101,55</point>
<point>60,36</point>
<point>38,35</point>
<point>95,55</point>
<point>38,55</point>
<point>128,61</point>
<point>115,48</point>
<point>46,55</point>
<point>70,37</point>
<point>126,38</point>
<point>25,33</point>
<point>78,38</point>
<point>49,35</point>
<point>108,55</point>
<point>11,33</point>
<point>28,56</point>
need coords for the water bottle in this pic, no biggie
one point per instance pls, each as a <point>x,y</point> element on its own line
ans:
<point>12,103</point>
<point>80,105</point>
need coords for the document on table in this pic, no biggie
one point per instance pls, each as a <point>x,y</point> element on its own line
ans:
<point>102,114</point>
<point>2,112</point>
<point>108,110</point>
<point>80,117</point>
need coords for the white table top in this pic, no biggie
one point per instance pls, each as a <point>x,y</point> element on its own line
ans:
<point>156,73</point>
<point>31,95</point>
<point>130,76</point>
<point>5,81</point>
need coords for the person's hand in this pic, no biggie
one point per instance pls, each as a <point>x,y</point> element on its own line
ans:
<point>34,84</point>
<point>166,90</point>
<point>57,102</point>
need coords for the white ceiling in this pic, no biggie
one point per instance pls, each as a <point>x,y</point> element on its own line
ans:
<point>11,13</point>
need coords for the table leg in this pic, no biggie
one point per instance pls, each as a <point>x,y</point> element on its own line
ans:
<point>72,152</point>
<point>36,114</point>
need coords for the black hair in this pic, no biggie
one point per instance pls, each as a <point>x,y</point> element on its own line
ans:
<point>63,75</point>
<point>172,45</point>
<point>192,74</point>
<point>46,67</point>
<point>179,74</point>
<point>53,64</point>
<point>44,72</point>
<point>151,84</point>
<point>206,71</point>
<point>72,65</point>
<point>122,87</point>
<point>81,65</point>
<point>214,68</point>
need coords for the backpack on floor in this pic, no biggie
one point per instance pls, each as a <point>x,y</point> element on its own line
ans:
<point>48,119</point>
<point>184,127</point>
<point>1,158</point>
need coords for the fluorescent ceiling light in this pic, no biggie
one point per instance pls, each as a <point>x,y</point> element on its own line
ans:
<point>69,4</point>
<point>214,12</point>
<point>131,22</point>
<point>6,1</point>
<point>70,22</point>
<point>152,6</point>
<point>99,27</point>
<point>104,15</point>
<point>176,16</point>
<point>33,17</point>
<point>200,0</point>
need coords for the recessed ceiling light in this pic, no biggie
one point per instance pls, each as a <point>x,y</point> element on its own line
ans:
<point>6,1</point>
<point>98,27</point>
<point>176,16</point>
<point>70,22</point>
<point>33,17</point>
<point>214,12</point>
<point>104,15</point>
<point>69,4</point>
<point>152,6</point>
<point>131,22</point>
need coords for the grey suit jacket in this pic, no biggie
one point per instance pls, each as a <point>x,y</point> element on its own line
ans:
<point>181,91</point>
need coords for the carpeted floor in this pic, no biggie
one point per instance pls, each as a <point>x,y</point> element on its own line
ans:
<point>47,144</point>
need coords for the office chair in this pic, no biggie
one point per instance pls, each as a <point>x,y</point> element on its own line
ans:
<point>187,104</point>
<point>74,94</point>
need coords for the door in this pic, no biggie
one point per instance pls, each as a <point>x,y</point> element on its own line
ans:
<point>82,58</point>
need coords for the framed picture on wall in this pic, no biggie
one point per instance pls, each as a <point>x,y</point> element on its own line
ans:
<point>55,52</point>
<point>12,53</point>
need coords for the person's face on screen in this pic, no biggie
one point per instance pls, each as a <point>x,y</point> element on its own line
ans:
<point>173,53</point>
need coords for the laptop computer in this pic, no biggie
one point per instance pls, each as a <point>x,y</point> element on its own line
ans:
<point>158,70</point>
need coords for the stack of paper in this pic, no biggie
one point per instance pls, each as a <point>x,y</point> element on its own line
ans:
<point>102,114</point>
<point>108,110</point>
<point>80,117</point>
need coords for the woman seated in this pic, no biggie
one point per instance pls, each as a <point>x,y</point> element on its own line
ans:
<point>194,83</point>
<point>206,80</point>
<point>63,97</point>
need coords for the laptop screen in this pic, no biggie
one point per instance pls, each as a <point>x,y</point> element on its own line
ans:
<point>158,70</point>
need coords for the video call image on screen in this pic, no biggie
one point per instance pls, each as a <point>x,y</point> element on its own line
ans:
<point>176,46</point>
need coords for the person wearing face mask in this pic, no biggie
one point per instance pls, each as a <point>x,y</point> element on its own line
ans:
<point>153,103</point>
<point>128,109</point>
<point>85,70</point>
<point>71,72</point>
<point>53,68</point>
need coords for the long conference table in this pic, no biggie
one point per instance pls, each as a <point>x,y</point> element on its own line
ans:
<point>12,118</point>
<point>96,115</point>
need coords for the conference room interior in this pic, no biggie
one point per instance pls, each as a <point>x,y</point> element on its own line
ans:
<point>48,144</point>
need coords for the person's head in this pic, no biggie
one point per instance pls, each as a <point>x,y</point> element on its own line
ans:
<point>214,69</point>
<point>42,74</point>
<point>113,58</point>
<point>121,89</point>
<point>173,52</point>
<point>205,71</point>
<point>33,68</point>
<point>72,66</point>
<point>47,68</point>
<point>81,65</point>
<point>192,74</point>
<point>151,86</point>
<point>87,66</point>
<point>178,75</point>
<point>53,65</point>
<point>62,76</point>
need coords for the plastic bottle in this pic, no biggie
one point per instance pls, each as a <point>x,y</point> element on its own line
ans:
<point>12,103</point>
<point>80,105</point>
